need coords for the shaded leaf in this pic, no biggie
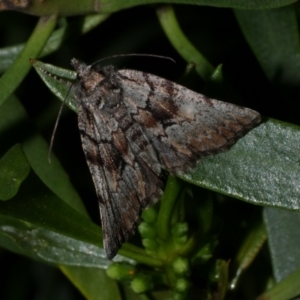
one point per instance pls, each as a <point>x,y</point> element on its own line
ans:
<point>9,54</point>
<point>15,127</point>
<point>14,168</point>
<point>103,288</point>
<point>79,7</point>
<point>40,225</point>
<point>288,288</point>
<point>283,231</point>
<point>19,69</point>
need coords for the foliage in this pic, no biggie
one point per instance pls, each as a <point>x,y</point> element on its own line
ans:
<point>200,241</point>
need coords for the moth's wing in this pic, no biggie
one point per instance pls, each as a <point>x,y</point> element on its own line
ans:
<point>124,182</point>
<point>182,125</point>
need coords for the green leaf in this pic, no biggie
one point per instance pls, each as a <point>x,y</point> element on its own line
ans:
<point>43,209</point>
<point>9,54</point>
<point>283,229</point>
<point>14,168</point>
<point>36,223</point>
<point>19,69</point>
<point>60,88</point>
<point>260,168</point>
<point>93,283</point>
<point>48,246</point>
<point>16,127</point>
<point>249,249</point>
<point>76,7</point>
<point>273,36</point>
<point>288,288</point>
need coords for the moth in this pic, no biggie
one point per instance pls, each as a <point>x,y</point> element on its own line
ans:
<point>133,125</point>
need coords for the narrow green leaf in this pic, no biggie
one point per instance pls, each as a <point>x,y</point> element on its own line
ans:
<point>9,54</point>
<point>251,246</point>
<point>60,88</point>
<point>14,168</point>
<point>93,283</point>
<point>180,42</point>
<point>15,127</point>
<point>76,7</point>
<point>21,66</point>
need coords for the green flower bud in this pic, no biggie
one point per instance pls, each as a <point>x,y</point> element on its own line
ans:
<point>147,230</point>
<point>182,285</point>
<point>152,253</point>
<point>180,229</point>
<point>179,296</point>
<point>181,240</point>
<point>142,283</point>
<point>180,233</point>
<point>181,266</point>
<point>149,215</point>
<point>120,271</point>
<point>150,244</point>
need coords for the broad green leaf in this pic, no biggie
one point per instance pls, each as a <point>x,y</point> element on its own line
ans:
<point>9,54</point>
<point>283,238</point>
<point>36,223</point>
<point>93,283</point>
<point>11,79</point>
<point>273,36</point>
<point>42,208</point>
<point>14,168</point>
<point>288,288</point>
<point>76,7</point>
<point>260,168</point>
<point>49,246</point>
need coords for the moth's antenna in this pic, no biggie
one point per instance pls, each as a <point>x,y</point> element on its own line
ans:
<point>56,123</point>
<point>135,54</point>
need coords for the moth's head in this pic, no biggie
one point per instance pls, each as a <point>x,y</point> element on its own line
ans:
<point>81,68</point>
<point>86,75</point>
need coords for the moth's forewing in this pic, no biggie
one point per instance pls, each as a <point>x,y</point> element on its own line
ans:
<point>132,124</point>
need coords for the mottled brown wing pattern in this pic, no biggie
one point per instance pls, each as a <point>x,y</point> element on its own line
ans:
<point>182,125</point>
<point>132,124</point>
<point>121,160</point>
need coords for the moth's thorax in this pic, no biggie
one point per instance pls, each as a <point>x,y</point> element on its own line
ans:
<point>86,75</point>
<point>90,79</point>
